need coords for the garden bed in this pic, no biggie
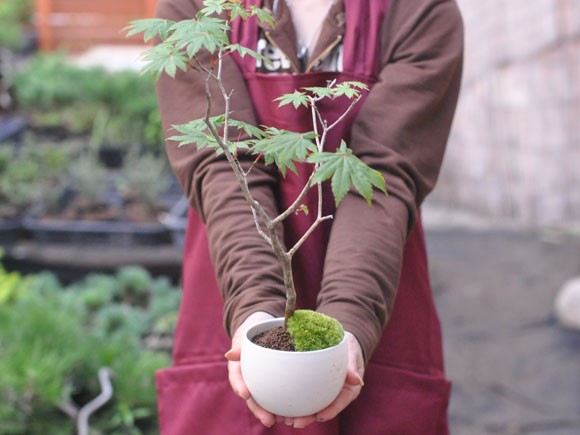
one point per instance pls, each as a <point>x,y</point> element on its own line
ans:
<point>71,262</point>
<point>10,231</point>
<point>110,233</point>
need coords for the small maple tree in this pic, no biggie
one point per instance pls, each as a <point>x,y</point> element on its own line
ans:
<point>178,47</point>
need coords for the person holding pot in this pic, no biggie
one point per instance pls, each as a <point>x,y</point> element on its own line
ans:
<point>368,267</point>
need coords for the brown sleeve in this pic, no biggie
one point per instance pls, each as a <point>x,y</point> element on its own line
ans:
<point>402,131</point>
<point>248,274</point>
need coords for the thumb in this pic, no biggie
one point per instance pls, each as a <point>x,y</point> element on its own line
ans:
<point>233,354</point>
<point>353,378</point>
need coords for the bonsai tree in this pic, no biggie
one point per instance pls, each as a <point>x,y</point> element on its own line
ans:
<point>178,47</point>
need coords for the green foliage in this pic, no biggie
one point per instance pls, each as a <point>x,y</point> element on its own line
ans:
<point>89,179</point>
<point>134,284</point>
<point>296,98</point>
<point>197,132</point>
<point>14,15</point>
<point>121,320</point>
<point>311,330</point>
<point>144,178</point>
<point>180,42</point>
<point>96,291</point>
<point>29,174</point>
<point>55,339</point>
<point>56,92</point>
<point>10,282</point>
<point>345,170</point>
<point>178,48</point>
<point>50,82</point>
<point>284,148</point>
<point>151,28</point>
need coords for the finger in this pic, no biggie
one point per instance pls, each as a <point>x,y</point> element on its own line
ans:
<point>233,354</point>
<point>261,414</point>
<point>353,378</point>
<point>237,381</point>
<point>346,395</point>
<point>302,422</point>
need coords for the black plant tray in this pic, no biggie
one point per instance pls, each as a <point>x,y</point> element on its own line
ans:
<point>110,233</point>
<point>11,127</point>
<point>10,231</point>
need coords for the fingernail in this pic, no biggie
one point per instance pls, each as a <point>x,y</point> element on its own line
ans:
<point>228,354</point>
<point>288,422</point>
<point>266,424</point>
<point>360,381</point>
<point>298,426</point>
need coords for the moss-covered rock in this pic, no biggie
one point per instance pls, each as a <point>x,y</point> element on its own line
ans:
<point>311,330</point>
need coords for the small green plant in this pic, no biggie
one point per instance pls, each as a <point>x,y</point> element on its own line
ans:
<point>145,178</point>
<point>179,49</point>
<point>14,14</point>
<point>56,339</point>
<point>30,174</point>
<point>89,180</point>
<point>120,108</point>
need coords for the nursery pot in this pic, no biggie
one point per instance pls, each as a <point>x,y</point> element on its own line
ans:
<point>292,384</point>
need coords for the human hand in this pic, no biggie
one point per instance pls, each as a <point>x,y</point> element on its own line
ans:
<point>352,387</point>
<point>235,371</point>
<point>349,392</point>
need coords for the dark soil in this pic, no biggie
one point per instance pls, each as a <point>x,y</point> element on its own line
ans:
<point>277,339</point>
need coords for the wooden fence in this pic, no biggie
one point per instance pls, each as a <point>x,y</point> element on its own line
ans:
<point>77,25</point>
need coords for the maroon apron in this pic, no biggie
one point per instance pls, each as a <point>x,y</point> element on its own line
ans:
<point>405,389</point>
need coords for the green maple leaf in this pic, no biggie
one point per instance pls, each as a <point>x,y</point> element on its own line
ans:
<point>194,132</point>
<point>235,7</point>
<point>249,129</point>
<point>263,16</point>
<point>320,91</point>
<point>213,7</point>
<point>202,32</point>
<point>297,99</point>
<point>350,89</point>
<point>164,57</point>
<point>345,170</point>
<point>237,10</point>
<point>244,51</point>
<point>150,27</point>
<point>285,148</point>
<point>197,132</point>
<point>357,85</point>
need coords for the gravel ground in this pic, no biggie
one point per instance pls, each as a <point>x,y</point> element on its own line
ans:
<point>514,369</point>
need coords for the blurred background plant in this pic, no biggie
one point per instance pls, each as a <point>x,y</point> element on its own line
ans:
<point>31,173</point>
<point>117,108</point>
<point>15,17</point>
<point>56,338</point>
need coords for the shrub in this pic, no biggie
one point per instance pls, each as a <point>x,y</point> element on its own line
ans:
<point>121,106</point>
<point>55,339</point>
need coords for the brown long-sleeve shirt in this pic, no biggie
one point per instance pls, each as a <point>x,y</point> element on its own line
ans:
<point>401,131</point>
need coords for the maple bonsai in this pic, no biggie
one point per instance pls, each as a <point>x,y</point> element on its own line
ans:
<point>178,47</point>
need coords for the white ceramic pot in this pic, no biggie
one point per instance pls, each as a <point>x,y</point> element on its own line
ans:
<point>292,384</point>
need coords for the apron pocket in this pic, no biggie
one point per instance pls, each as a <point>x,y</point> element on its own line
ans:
<point>197,399</point>
<point>395,401</point>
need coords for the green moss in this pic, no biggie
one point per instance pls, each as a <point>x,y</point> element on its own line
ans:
<point>314,331</point>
